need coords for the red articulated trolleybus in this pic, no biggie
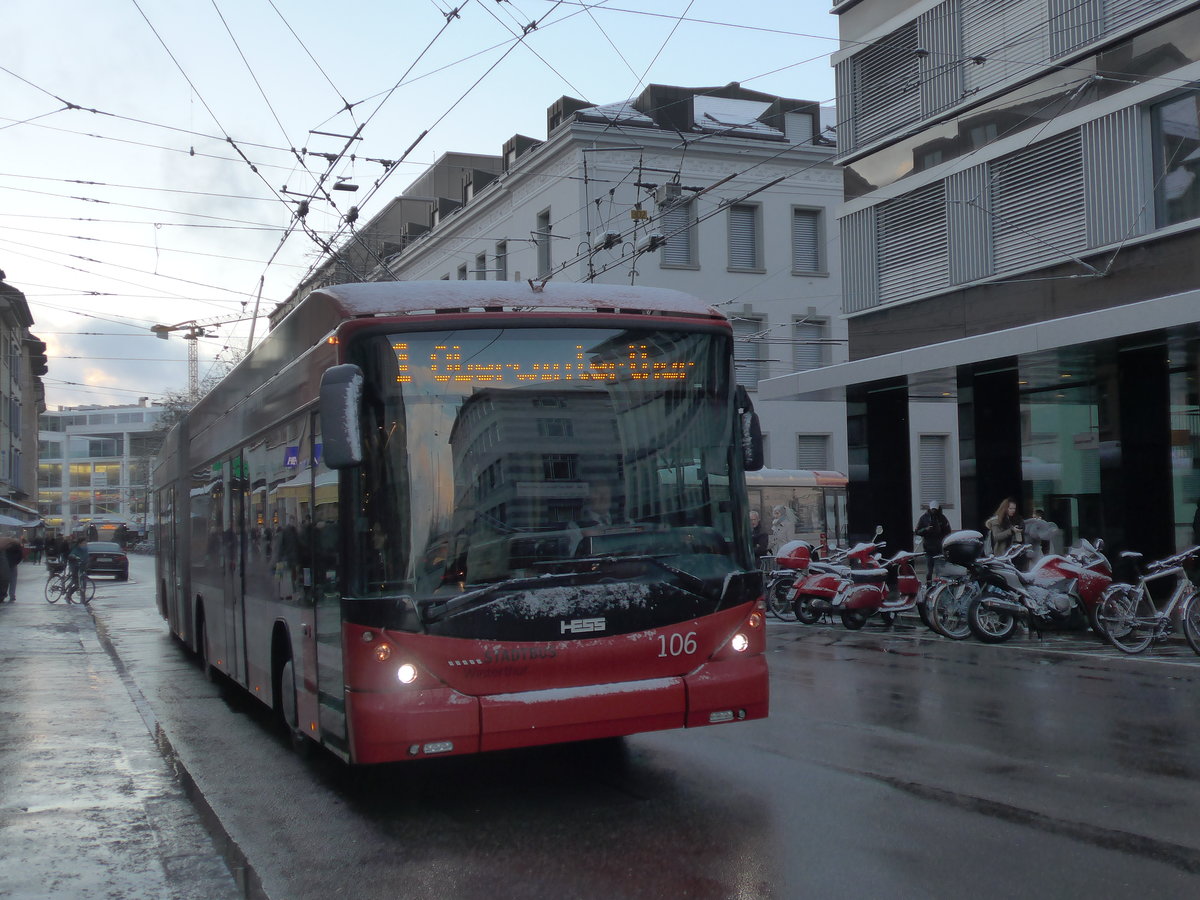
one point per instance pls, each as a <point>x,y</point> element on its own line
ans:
<point>443,518</point>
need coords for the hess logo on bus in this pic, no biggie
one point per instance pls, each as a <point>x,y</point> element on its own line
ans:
<point>582,626</point>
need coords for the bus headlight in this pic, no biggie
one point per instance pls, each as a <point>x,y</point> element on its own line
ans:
<point>739,642</point>
<point>383,652</point>
<point>407,673</point>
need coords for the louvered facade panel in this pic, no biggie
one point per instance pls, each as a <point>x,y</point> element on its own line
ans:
<point>860,279</point>
<point>912,242</point>
<point>886,85</point>
<point>970,224</point>
<point>1037,203</point>
<point>940,67</point>
<point>1011,36</point>
<point>1114,163</point>
<point>1120,13</point>
<point>843,79</point>
<point>1074,23</point>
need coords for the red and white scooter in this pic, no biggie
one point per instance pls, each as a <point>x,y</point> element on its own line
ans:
<point>889,589</point>
<point>855,583</point>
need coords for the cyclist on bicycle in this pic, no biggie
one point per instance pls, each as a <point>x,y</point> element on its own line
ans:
<point>76,563</point>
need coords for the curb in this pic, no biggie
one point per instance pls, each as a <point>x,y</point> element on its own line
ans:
<point>240,867</point>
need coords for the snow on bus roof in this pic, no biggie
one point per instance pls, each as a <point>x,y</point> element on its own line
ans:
<point>399,297</point>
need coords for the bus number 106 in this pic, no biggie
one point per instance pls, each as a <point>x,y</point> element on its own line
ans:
<point>677,644</point>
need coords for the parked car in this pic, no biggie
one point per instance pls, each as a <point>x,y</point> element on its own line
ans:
<point>107,558</point>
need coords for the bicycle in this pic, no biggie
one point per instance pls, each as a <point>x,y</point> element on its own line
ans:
<point>777,584</point>
<point>1130,617</point>
<point>59,585</point>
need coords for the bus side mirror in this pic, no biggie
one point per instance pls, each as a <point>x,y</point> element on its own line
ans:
<point>340,400</point>
<point>749,431</point>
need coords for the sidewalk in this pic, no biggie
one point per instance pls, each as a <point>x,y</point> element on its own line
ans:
<point>89,807</point>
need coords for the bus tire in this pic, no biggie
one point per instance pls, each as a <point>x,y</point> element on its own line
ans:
<point>202,649</point>
<point>289,710</point>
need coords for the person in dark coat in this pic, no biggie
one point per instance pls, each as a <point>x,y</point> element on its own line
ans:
<point>15,554</point>
<point>932,528</point>
<point>5,571</point>
<point>759,535</point>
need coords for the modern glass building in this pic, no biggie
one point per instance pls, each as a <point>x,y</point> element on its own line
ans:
<point>1021,261</point>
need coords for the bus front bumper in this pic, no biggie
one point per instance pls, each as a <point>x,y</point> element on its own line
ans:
<point>398,725</point>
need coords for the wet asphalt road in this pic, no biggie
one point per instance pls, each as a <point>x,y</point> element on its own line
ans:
<point>893,763</point>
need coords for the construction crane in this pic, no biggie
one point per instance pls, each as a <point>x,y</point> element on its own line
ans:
<point>193,330</point>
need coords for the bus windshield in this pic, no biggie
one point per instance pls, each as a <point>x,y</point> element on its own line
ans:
<point>520,455</point>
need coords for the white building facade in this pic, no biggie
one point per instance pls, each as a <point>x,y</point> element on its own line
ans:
<point>94,466</point>
<point>724,193</point>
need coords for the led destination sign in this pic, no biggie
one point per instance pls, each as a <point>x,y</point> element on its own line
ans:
<point>535,362</point>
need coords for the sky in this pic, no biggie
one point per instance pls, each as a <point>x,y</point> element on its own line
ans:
<point>153,153</point>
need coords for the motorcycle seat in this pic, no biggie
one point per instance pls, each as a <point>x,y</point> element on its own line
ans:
<point>828,568</point>
<point>868,576</point>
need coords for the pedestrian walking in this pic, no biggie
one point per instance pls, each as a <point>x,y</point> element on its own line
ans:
<point>15,555</point>
<point>5,571</point>
<point>932,528</point>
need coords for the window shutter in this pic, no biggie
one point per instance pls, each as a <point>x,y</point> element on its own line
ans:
<point>798,128</point>
<point>806,352</point>
<point>677,251</point>
<point>743,239</point>
<point>746,341</point>
<point>806,247</point>
<point>812,451</point>
<point>932,460</point>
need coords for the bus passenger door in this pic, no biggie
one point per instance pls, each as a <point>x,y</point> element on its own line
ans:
<point>234,565</point>
<point>326,590</point>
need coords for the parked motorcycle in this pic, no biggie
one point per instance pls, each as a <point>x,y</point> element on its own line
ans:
<point>1059,592</point>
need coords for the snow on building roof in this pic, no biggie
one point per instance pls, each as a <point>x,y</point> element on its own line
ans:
<point>725,114</point>
<point>617,112</point>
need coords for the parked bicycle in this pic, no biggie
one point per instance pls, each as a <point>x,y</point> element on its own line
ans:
<point>60,585</point>
<point>1132,619</point>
